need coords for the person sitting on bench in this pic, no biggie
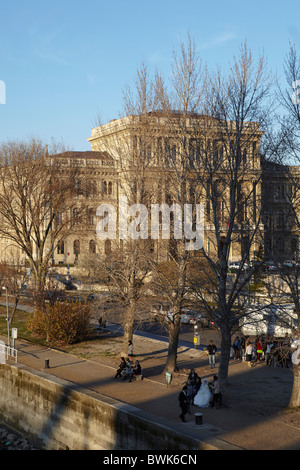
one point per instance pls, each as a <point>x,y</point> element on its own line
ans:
<point>121,368</point>
<point>137,370</point>
<point>127,372</point>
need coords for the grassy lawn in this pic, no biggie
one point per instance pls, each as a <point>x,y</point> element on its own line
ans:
<point>19,322</point>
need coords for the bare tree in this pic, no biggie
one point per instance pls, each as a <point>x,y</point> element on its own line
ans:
<point>215,133</point>
<point>284,146</point>
<point>206,133</point>
<point>214,137</point>
<point>228,169</point>
<point>37,201</point>
<point>184,99</point>
<point>131,147</point>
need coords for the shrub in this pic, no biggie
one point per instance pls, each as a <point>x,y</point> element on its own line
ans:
<point>61,322</point>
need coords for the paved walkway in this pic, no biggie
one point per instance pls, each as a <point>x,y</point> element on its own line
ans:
<point>249,421</point>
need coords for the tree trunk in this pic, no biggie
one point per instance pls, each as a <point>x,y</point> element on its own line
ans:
<point>295,397</point>
<point>39,275</point>
<point>39,299</point>
<point>128,327</point>
<point>174,329</point>
<point>225,355</point>
<point>16,302</point>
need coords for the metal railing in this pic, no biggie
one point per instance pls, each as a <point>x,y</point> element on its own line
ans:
<point>6,352</point>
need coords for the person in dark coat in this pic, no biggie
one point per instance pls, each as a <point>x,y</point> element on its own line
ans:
<point>197,386</point>
<point>183,403</point>
<point>121,368</point>
<point>127,373</point>
<point>216,393</point>
<point>211,354</point>
<point>193,377</point>
<point>137,370</point>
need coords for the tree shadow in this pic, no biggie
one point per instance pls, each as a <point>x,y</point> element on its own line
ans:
<point>248,401</point>
<point>253,398</point>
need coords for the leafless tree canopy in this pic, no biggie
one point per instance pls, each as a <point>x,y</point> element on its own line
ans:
<point>36,202</point>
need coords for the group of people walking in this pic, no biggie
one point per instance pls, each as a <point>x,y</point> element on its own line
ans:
<point>196,392</point>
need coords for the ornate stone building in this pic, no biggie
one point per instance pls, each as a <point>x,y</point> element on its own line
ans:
<point>171,154</point>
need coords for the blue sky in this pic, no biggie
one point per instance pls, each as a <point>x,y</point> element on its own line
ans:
<point>63,62</point>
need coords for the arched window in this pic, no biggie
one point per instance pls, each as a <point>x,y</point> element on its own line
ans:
<point>92,246</point>
<point>61,248</point>
<point>107,247</point>
<point>110,187</point>
<point>91,218</point>
<point>75,216</point>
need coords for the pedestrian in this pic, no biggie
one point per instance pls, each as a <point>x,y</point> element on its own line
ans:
<point>183,403</point>
<point>216,393</point>
<point>259,349</point>
<point>197,385</point>
<point>211,354</point>
<point>236,348</point>
<point>193,376</point>
<point>243,348</point>
<point>122,366</point>
<point>127,372</point>
<point>137,369</point>
<point>249,352</point>
<point>268,353</point>
<point>130,351</point>
<point>190,394</point>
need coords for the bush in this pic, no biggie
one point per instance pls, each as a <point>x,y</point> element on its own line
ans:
<point>63,323</point>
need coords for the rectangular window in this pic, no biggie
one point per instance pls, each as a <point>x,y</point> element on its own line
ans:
<point>61,248</point>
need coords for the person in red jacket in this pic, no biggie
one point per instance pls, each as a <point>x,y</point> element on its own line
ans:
<point>259,349</point>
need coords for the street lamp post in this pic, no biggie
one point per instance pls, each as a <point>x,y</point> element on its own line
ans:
<point>7,316</point>
<point>196,336</point>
